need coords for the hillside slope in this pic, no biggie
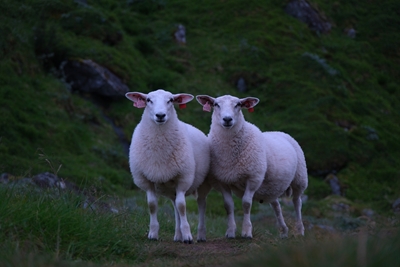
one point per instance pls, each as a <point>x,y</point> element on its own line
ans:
<point>338,96</point>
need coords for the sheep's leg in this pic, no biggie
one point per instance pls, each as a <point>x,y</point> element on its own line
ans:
<point>178,233</point>
<point>247,200</point>
<point>297,207</point>
<point>202,193</point>
<point>152,202</point>
<point>279,218</point>
<point>229,207</point>
<point>180,203</point>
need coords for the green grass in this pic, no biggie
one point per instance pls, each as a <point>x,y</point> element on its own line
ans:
<point>53,228</point>
<point>358,250</point>
<point>56,224</point>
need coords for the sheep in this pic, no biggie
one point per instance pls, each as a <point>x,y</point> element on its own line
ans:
<point>168,157</point>
<point>252,164</point>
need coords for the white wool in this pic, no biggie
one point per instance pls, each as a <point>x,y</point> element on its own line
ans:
<point>167,157</point>
<point>254,165</point>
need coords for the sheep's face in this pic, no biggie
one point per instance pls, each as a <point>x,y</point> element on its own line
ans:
<point>159,104</point>
<point>227,109</point>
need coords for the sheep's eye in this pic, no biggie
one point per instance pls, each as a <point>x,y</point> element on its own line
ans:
<point>238,105</point>
<point>170,100</point>
<point>216,105</point>
<point>148,100</point>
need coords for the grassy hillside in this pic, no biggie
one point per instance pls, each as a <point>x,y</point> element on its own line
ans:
<point>338,96</point>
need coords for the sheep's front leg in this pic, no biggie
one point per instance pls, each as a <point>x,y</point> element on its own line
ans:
<point>230,211</point>
<point>152,203</point>
<point>247,200</point>
<point>178,233</point>
<point>283,229</point>
<point>202,193</point>
<point>180,204</point>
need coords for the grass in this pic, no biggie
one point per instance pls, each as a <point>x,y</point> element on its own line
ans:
<point>53,228</point>
<point>56,224</point>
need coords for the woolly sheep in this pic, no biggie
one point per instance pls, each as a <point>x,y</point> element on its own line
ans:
<point>253,165</point>
<point>168,157</point>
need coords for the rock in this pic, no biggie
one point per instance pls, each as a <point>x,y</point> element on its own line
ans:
<point>48,180</point>
<point>348,126</point>
<point>303,11</point>
<point>334,183</point>
<point>350,32</point>
<point>241,85</point>
<point>342,207</point>
<point>368,213</point>
<point>180,34</point>
<point>4,178</point>
<point>396,206</point>
<point>89,77</point>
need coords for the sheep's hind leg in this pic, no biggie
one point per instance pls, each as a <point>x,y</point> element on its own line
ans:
<point>283,229</point>
<point>202,193</point>
<point>153,205</point>
<point>180,204</point>
<point>229,207</point>
<point>297,207</point>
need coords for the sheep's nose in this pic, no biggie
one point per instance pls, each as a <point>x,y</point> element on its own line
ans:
<point>227,119</point>
<point>160,116</point>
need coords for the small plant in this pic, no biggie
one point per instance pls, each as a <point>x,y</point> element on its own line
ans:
<point>44,157</point>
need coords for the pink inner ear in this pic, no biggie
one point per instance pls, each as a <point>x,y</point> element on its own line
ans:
<point>139,103</point>
<point>182,105</point>
<point>207,107</point>
<point>251,109</point>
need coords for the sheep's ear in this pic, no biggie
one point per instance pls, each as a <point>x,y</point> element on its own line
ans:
<point>138,99</point>
<point>206,101</point>
<point>249,103</point>
<point>182,99</point>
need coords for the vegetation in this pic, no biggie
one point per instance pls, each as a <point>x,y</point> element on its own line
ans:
<point>338,96</point>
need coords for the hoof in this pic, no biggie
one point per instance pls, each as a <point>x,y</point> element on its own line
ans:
<point>284,236</point>
<point>153,239</point>
<point>201,240</point>
<point>188,241</point>
<point>247,237</point>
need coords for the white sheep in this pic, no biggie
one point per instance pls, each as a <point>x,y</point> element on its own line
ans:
<point>168,157</point>
<point>254,165</point>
